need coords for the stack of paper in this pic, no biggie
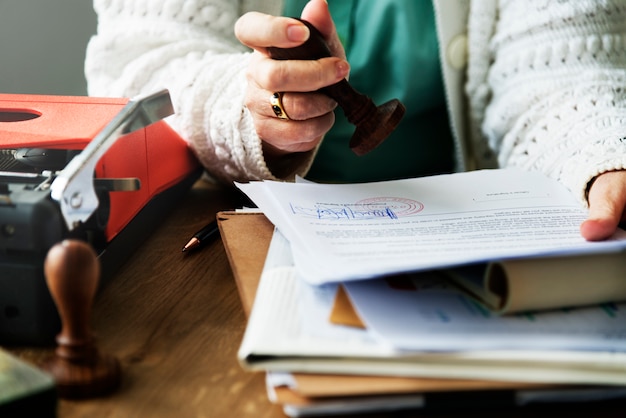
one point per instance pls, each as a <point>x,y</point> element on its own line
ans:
<point>346,249</point>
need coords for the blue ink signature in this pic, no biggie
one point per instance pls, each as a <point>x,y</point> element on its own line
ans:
<point>343,212</point>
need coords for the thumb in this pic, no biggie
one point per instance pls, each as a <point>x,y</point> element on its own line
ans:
<point>316,12</point>
<point>607,201</point>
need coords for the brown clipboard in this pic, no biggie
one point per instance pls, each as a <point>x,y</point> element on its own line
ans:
<point>246,237</point>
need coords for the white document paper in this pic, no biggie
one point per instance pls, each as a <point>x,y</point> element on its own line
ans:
<point>285,320</point>
<point>344,232</point>
<point>288,331</point>
<point>426,313</point>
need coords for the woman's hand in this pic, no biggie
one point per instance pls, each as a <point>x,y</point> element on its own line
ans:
<point>310,114</point>
<point>607,206</point>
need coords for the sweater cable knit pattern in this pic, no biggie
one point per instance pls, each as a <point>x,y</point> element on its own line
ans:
<point>188,47</point>
<point>556,101</point>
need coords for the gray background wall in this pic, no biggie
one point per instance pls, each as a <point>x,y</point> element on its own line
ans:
<point>42,45</point>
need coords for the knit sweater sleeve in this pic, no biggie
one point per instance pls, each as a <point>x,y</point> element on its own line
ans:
<point>188,47</point>
<point>554,96</point>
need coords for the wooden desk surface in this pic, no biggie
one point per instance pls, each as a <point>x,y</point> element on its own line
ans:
<point>175,322</point>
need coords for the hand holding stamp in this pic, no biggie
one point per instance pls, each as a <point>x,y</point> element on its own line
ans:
<point>373,124</point>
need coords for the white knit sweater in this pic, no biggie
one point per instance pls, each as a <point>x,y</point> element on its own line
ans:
<point>546,80</point>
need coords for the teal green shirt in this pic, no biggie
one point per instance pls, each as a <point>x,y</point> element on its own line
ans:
<point>392,49</point>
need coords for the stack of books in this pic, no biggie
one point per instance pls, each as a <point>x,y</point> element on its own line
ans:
<point>391,295</point>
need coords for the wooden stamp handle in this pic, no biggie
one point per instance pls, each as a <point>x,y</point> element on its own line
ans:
<point>72,274</point>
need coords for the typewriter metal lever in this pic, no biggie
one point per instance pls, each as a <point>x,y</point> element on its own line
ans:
<point>73,186</point>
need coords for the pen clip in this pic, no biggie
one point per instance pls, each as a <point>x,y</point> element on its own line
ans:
<point>73,186</point>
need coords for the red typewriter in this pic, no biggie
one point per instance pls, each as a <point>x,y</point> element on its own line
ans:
<point>99,169</point>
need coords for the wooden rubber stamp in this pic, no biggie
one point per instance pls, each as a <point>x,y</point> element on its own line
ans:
<point>373,123</point>
<point>80,371</point>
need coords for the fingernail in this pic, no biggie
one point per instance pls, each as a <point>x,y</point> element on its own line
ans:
<point>343,68</point>
<point>297,33</point>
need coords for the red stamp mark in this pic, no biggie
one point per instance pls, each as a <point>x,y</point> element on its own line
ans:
<point>400,206</point>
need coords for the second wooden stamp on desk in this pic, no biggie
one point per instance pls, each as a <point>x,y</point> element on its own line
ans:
<point>80,370</point>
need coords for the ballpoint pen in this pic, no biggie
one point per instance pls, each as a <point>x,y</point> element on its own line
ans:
<point>203,236</point>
